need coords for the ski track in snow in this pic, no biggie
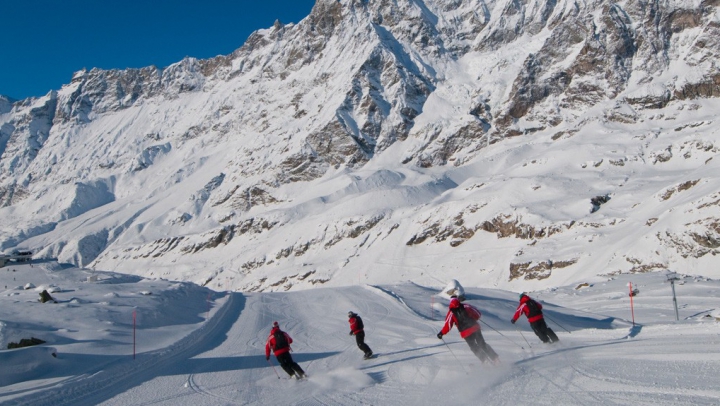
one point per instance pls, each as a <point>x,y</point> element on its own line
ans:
<point>222,361</point>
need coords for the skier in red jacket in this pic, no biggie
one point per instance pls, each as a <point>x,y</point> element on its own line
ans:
<point>357,329</point>
<point>533,311</point>
<point>466,317</point>
<point>279,342</point>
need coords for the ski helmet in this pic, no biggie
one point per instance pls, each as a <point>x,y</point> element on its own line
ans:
<point>454,303</point>
<point>351,314</point>
<point>521,295</point>
<point>275,324</point>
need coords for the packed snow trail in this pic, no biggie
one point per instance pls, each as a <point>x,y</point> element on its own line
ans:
<point>604,361</point>
<point>120,375</point>
<point>237,373</point>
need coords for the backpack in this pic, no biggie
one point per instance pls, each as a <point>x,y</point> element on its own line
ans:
<point>533,308</point>
<point>464,320</point>
<point>359,323</point>
<point>280,340</point>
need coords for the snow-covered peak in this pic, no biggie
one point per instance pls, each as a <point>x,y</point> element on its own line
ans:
<point>521,144</point>
<point>6,104</point>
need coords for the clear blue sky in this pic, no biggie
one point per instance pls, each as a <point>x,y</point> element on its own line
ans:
<point>45,41</point>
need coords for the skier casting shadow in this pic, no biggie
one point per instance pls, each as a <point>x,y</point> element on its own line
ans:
<point>279,341</point>
<point>357,330</point>
<point>533,312</point>
<point>466,317</point>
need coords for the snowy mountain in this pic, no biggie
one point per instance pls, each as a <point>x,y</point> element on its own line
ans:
<point>517,144</point>
<point>6,104</point>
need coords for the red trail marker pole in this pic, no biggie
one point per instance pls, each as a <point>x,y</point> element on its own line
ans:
<point>632,308</point>
<point>134,318</point>
<point>432,307</point>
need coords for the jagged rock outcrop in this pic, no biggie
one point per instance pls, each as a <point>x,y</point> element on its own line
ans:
<point>145,165</point>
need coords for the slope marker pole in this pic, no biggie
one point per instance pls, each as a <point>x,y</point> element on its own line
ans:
<point>632,308</point>
<point>207,317</point>
<point>134,317</point>
<point>432,307</point>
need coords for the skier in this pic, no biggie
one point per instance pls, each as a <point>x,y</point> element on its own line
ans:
<point>279,341</point>
<point>466,317</point>
<point>356,329</point>
<point>533,312</point>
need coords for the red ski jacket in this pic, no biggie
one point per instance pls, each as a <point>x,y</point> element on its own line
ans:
<point>356,324</point>
<point>270,344</point>
<point>533,311</point>
<point>466,327</point>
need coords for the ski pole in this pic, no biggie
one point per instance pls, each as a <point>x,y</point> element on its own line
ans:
<point>273,367</point>
<point>546,316</point>
<point>456,358</point>
<point>503,335</point>
<point>523,336</point>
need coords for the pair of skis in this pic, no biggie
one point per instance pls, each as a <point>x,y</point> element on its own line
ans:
<point>296,376</point>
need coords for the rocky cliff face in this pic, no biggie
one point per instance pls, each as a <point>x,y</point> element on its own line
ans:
<point>395,108</point>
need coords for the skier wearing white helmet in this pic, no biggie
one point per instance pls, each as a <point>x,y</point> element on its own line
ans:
<point>466,317</point>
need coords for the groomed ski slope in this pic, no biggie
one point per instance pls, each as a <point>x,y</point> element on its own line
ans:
<point>602,360</point>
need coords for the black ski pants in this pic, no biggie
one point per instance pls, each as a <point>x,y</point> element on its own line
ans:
<point>360,340</point>
<point>290,366</point>
<point>544,333</point>
<point>480,348</point>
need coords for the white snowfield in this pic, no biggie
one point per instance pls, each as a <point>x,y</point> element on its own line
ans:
<point>199,347</point>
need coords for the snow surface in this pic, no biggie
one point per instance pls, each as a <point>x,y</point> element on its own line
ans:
<point>198,347</point>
